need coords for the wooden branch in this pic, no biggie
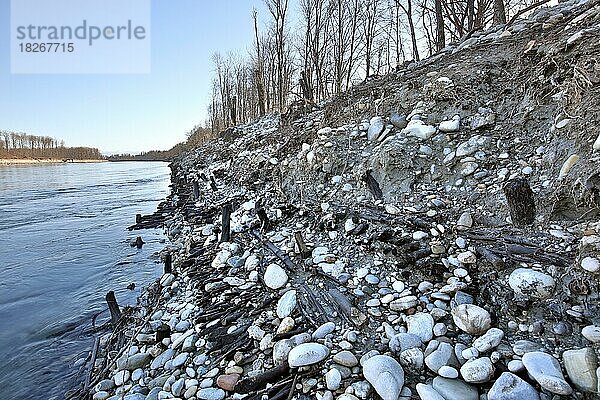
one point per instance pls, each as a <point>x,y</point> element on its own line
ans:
<point>259,381</point>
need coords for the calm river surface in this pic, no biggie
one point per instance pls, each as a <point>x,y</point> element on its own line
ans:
<point>63,245</point>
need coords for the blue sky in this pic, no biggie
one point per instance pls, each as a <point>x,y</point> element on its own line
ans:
<point>132,113</point>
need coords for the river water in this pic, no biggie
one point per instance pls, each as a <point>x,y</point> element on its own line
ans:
<point>63,246</point>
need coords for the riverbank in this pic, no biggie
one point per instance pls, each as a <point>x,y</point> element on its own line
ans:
<point>27,161</point>
<point>375,247</point>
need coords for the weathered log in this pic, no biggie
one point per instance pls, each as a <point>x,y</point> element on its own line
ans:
<point>113,306</point>
<point>491,257</point>
<point>520,202</point>
<point>250,384</point>
<point>226,223</point>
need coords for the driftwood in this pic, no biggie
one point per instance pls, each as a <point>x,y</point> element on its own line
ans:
<point>88,378</point>
<point>490,256</point>
<point>253,383</point>
<point>276,251</point>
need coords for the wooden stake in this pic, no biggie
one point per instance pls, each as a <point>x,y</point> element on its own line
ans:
<point>113,306</point>
<point>520,202</point>
<point>163,332</point>
<point>264,219</point>
<point>168,263</point>
<point>304,251</point>
<point>138,218</point>
<point>196,190</point>
<point>226,223</point>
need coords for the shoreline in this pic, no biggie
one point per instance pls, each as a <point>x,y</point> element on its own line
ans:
<point>36,161</point>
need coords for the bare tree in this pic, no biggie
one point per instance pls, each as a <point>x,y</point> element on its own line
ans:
<point>259,70</point>
<point>278,10</point>
<point>408,10</point>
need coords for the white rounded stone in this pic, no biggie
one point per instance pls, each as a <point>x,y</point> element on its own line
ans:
<point>471,318</point>
<point>385,375</point>
<point>529,283</point>
<point>286,304</point>
<point>275,277</point>
<point>307,354</point>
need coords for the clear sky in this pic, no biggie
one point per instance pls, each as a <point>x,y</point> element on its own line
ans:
<point>132,113</point>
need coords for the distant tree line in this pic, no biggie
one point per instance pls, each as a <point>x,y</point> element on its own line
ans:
<point>195,137</point>
<point>333,44</point>
<point>22,145</point>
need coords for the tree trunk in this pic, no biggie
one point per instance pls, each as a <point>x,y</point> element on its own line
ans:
<point>499,12</point>
<point>439,24</point>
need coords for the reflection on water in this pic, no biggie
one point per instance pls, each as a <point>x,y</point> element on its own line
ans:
<point>63,245</point>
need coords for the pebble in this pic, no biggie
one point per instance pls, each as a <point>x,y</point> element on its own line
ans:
<point>404,341</point>
<point>180,360</point>
<point>139,360</point>
<point>323,330</point>
<point>443,355</point>
<point>385,375</point>
<point>404,303</point>
<point>345,358</point>
<point>121,377</point>
<point>529,283</point>
<point>275,277</point>
<point>447,371</point>
<point>467,257</point>
<point>454,389</point>
<point>376,126</point>
<point>515,366</point>
<point>210,394</point>
<point>162,359</point>
<point>228,381</point>
<point>333,379</point>
<point>451,125</point>
<point>590,264</point>
<point>591,333</point>
<point>510,387</point>
<point>471,318</point>
<point>307,354</point>
<point>546,370</point>
<point>286,304</point>
<point>286,325</point>
<point>581,368</point>
<point>478,370</point>
<point>421,325</point>
<point>489,340</point>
